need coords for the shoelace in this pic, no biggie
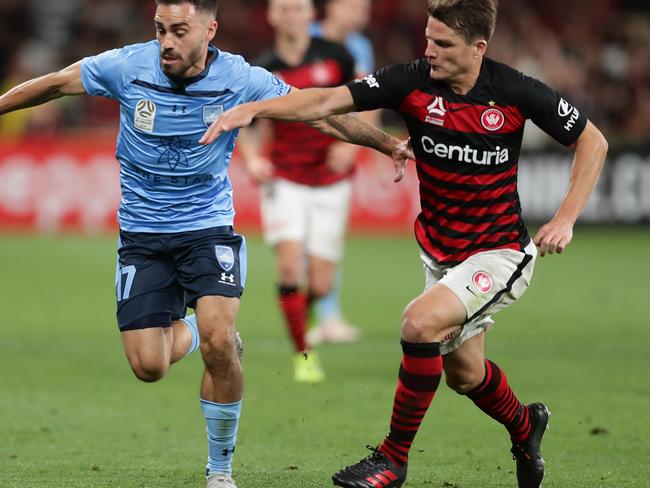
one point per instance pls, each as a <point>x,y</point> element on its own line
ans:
<point>377,456</point>
<point>519,452</point>
<point>370,464</point>
<point>374,449</point>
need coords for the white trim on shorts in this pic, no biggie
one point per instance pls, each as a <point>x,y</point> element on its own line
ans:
<point>509,273</point>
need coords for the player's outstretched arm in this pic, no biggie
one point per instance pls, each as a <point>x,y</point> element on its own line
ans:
<point>590,152</point>
<point>43,89</point>
<point>355,130</point>
<point>311,105</point>
<point>297,106</point>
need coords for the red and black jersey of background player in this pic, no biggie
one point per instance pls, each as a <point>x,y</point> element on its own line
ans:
<point>299,151</point>
<point>467,148</point>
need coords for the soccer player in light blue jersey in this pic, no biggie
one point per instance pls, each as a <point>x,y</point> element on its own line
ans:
<point>177,247</point>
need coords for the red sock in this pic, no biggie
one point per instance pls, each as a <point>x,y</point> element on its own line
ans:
<point>295,307</point>
<point>495,397</point>
<point>419,376</point>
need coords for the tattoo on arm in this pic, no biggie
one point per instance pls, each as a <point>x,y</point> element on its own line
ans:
<point>356,131</point>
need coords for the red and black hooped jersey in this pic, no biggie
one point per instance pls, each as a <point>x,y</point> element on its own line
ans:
<point>299,151</point>
<point>467,149</point>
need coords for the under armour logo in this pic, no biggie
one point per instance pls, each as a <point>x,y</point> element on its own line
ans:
<point>229,277</point>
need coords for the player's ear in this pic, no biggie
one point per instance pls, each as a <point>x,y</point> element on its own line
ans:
<point>480,47</point>
<point>212,30</point>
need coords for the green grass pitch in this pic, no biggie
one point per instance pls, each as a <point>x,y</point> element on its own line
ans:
<point>72,414</point>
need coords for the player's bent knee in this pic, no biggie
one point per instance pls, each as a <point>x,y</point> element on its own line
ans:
<point>418,326</point>
<point>463,382</point>
<point>220,343</point>
<point>148,370</point>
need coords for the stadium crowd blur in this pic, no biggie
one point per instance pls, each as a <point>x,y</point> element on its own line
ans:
<point>596,52</point>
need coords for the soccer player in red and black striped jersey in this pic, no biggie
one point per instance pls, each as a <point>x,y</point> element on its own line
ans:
<point>305,196</point>
<point>465,114</point>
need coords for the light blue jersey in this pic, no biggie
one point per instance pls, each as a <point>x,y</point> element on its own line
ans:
<point>357,44</point>
<point>169,182</point>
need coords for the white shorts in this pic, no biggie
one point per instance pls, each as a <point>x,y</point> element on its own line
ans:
<point>316,216</point>
<point>485,283</point>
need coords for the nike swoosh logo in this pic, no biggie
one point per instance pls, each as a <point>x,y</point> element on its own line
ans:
<point>471,291</point>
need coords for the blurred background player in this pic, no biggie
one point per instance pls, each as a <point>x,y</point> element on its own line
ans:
<point>343,23</point>
<point>306,183</point>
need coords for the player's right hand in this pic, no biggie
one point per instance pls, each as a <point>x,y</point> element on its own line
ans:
<point>235,118</point>
<point>401,154</point>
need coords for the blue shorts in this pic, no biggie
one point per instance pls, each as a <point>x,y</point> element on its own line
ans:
<point>159,275</point>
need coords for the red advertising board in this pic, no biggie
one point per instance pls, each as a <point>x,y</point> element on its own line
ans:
<point>73,184</point>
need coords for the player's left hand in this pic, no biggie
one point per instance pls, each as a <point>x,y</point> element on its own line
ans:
<point>235,118</point>
<point>401,154</point>
<point>553,237</point>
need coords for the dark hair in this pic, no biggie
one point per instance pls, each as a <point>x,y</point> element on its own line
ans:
<point>210,6</point>
<point>473,19</point>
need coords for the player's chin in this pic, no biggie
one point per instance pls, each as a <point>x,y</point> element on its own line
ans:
<point>173,69</point>
<point>437,73</point>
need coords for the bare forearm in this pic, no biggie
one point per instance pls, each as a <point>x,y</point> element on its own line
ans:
<point>587,165</point>
<point>41,90</point>
<point>29,94</point>
<point>309,105</point>
<point>306,105</point>
<point>33,92</point>
<point>356,131</point>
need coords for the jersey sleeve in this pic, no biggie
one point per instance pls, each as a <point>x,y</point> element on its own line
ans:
<point>102,75</point>
<point>550,112</point>
<point>264,85</point>
<point>385,88</point>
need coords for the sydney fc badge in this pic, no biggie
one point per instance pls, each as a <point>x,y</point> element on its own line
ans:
<point>225,256</point>
<point>210,113</point>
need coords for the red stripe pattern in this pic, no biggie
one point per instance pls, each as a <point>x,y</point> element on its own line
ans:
<point>382,480</point>
<point>418,381</point>
<point>467,167</point>
<point>375,482</point>
<point>495,397</point>
<point>461,117</point>
<point>299,151</point>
